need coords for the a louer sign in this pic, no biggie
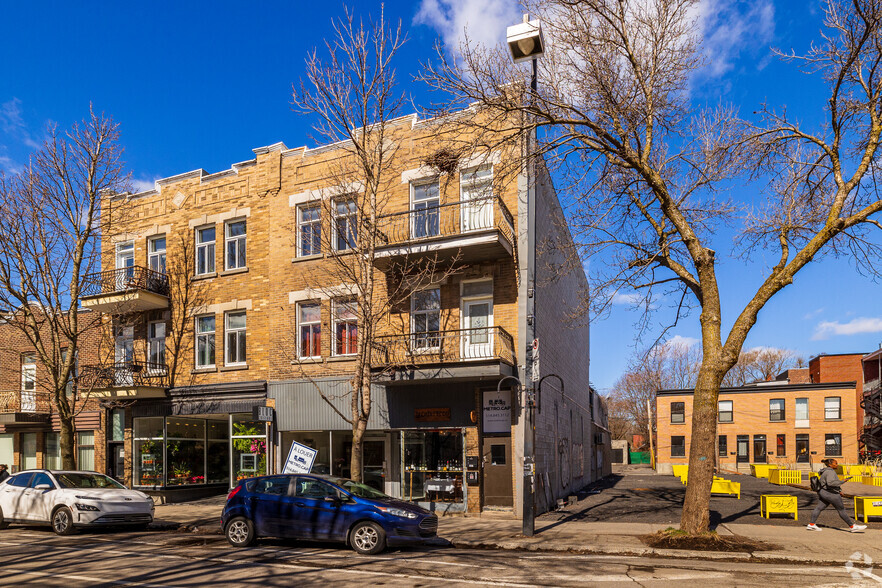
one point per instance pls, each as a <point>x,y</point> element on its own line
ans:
<point>300,459</point>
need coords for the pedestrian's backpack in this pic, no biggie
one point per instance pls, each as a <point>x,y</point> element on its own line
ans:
<point>815,483</point>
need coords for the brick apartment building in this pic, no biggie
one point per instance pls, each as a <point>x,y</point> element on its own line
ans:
<point>871,432</point>
<point>794,424</point>
<point>220,296</point>
<point>29,423</point>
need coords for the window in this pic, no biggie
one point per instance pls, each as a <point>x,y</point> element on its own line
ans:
<point>86,450</point>
<point>275,486</point>
<point>802,449</point>
<point>235,237</point>
<point>125,257</point>
<point>345,327</point>
<point>678,412</point>
<point>424,210</point>
<point>310,330</point>
<point>156,343</point>
<point>497,454</point>
<point>425,312</point>
<point>117,424</point>
<point>678,446</point>
<point>156,254</point>
<point>28,372</point>
<point>725,411</point>
<point>205,251</point>
<point>723,446</point>
<point>204,341</point>
<point>776,409</point>
<point>833,444</point>
<point>313,489</point>
<point>345,229</point>
<point>52,458</point>
<point>782,446</point>
<point>802,413</point>
<point>309,230</point>
<point>476,191</point>
<point>235,344</point>
<point>832,408</point>
<point>41,478</point>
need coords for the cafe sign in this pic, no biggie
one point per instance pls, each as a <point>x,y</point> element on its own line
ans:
<point>497,411</point>
<point>431,415</point>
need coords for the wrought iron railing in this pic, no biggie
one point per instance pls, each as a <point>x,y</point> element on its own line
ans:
<point>434,347</point>
<point>24,401</point>
<point>123,375</point>
<point>446,220</point>
<point>124,279</point>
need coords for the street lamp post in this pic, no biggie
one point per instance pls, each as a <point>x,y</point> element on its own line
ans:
<point>525,41</point>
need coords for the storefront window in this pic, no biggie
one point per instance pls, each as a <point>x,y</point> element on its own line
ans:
<point>148,440</point>
<point>185,451</point>
<point>318,440</point>
<point>433,465</point>
<point>249,447</point>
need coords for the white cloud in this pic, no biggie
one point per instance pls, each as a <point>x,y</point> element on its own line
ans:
<point>142,185</point>
<point>681,341</point>
<point>812,314</point>
<point>13,125</point>
<point>485,21</point>
<point>730,28</point>
<point>629,299</point>
<point>826,329</point>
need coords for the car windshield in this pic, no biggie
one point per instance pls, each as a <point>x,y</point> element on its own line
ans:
<point>357,489</point>
<point>83,480</point>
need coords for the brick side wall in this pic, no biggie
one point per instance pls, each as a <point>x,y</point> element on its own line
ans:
<point>841,368</point>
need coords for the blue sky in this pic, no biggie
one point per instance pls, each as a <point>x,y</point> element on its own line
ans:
<point>198,85</point>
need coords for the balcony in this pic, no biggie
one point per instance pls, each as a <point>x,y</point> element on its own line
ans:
<point>131,379</point>
<point>468,231</point>
<point>462,354</point>
<point>124,290</point>
<point>23,408</point>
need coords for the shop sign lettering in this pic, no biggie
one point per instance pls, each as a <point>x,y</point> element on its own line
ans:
<point>497,411</point>
<point>300,459</point>
<point>429,415</point>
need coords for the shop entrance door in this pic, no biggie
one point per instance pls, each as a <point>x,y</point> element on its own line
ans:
<point>374,463</point>
<point>116,461</point>
<point>497,471</point>
<point>743,449</point>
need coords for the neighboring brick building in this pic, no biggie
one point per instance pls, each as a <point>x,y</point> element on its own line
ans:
<point>769,422</point>
<point>841,367</point>
<point>242,241</point>
<point>29,424</point>
<point>871,433</point>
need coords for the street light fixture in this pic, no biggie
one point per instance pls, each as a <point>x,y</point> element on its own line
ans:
<point>525,40</point>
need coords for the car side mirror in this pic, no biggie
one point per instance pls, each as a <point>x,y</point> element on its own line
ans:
<point>42,487</point>
<point>333,499</point>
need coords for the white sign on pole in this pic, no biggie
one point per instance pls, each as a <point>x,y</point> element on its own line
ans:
<point>300,459</point>
<point>497,411</point>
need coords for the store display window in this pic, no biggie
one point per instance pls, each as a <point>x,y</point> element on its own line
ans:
<point>433,465</point>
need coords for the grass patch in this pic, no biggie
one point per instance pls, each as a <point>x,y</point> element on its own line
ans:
<point>672,538</point>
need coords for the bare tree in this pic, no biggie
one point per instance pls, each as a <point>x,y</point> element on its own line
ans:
<point>614,112</point>
<point>49,241</point>
<point>761,364</point>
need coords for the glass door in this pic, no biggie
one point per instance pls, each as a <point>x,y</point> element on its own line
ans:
<point>476,199</point>
<point>29,383</point>
<point>759,449</point>
<point>374,463</point>
<point>743,449</point>
<point>124,354</point>
<point>125,260</point>
<point>802,449</point>
<point>477,320</point>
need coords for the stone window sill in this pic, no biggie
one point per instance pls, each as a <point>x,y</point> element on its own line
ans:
<point>204,370</point>
<point>307,258</point>
<point>234,368</point>
<point>204,276</point>
<point>238,270</point>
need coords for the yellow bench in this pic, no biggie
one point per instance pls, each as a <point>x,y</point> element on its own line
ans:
<point>867,506</point>
<point>762,470</point>
<point>778,503</point>
<point>723,486</point>
<point>781,477</point>
<point>680,470</point>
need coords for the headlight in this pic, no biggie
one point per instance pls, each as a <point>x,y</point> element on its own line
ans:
<point>88,507</point>
<point>398,512</point>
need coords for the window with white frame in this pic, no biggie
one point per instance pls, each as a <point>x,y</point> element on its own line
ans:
<point>725,411</point>
<point>205,341</point>
<point>156,253</point>
<point>125,261</point>
<point>476,192</point>
<point>28,372</point>
<point>345,327</point>
<point>310,327</point>
<point>802,409</point>
<point>235,341</point>
<point>424,216</point>
<point>832,408</point>
<point>425,313</point>
<point>205,239</point>
<point>86,450</point>
<point>235,235</point>
<point>345,225</point>
<point>156,343</point>
<point>309,229</point>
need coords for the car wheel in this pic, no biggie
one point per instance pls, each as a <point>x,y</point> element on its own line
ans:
<point>3,523</point>
<point>240,532</point>
<point>367,538</point>
<point>62,521</point>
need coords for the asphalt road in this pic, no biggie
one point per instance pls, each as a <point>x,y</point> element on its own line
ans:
<point>30,556</point>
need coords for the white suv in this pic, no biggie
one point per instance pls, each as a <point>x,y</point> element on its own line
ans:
<point>67,500</point>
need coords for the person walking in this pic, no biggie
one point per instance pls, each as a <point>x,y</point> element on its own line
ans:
<point>3,472</point>
<point>830,492</point>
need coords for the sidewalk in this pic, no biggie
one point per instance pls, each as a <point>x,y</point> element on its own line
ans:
<point>833,546</point>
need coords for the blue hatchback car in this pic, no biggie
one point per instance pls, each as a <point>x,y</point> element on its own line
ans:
<point>323,508</point>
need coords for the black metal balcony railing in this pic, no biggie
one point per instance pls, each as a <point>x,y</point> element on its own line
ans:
<point>124,279</point>
<point>19,401</point>
<point>447,220</point>
<point>461,345</point>
<point>124,374</point>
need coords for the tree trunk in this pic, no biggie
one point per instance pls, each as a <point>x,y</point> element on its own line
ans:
<point>356,462</point>
<point>66,443</point>
<point>696,506</point>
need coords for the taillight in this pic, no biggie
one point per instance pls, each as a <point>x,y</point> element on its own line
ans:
<point>233,493</point>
